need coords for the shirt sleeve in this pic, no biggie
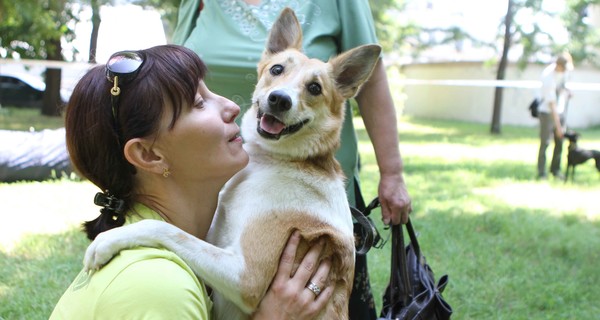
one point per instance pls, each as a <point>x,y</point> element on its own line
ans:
<point>357,26</point>
<point>548,87</point>
<point>186,20</point>
<point>154,289</point>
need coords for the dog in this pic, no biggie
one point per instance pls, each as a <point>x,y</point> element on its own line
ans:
<point>577,156</point>
<point>292,182</point>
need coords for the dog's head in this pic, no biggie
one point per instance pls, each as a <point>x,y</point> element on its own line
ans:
<point>298,103</point>
<point>572,136</point>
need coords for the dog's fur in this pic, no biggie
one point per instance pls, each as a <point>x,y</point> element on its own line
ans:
<point>577,156</point>
<point>292,182</point>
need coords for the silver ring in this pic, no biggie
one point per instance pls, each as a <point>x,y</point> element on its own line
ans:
<point>314,288</point>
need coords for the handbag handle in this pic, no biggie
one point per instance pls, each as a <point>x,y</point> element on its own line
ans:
<point>400,282</point>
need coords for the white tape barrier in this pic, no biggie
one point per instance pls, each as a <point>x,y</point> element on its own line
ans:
<point>523,84</point>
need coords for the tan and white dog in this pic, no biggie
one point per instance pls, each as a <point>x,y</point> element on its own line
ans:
<point>292,182</point>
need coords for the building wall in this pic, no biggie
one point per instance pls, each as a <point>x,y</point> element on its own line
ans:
<point>474,102</point>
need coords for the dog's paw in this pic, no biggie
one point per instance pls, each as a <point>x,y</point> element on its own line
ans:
<point>99,253</point>
<point>109,243</point>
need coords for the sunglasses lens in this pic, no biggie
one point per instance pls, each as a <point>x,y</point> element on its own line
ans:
<point>124,63</point>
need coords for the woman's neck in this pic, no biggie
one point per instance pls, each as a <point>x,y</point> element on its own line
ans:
<point>190,208</point>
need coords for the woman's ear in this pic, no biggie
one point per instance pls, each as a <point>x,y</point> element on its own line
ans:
<point>140,153</point>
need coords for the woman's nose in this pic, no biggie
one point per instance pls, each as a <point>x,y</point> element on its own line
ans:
<point>231,109</point>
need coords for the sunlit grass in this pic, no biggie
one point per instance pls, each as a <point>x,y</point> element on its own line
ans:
<point>27,119</point>
<point>513,247</point>
<point>506,239</point>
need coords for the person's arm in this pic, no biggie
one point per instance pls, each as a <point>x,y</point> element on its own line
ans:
<point>558,130</point>
<point>379,115</point>
<point>288,297</point>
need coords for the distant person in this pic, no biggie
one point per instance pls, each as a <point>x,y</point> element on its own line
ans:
<point>554,97</point>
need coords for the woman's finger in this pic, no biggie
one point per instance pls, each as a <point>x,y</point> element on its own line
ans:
<point>309,264</point>
<point>286,262</point>
<point>319,281</point>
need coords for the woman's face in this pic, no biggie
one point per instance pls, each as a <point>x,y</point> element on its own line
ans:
<point>205,142</point>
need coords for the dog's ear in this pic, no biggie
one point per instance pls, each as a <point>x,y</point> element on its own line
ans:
<point>353,67</point>
<point>286,33</point>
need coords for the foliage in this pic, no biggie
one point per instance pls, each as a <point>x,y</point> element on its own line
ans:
<point>585,39</point>
<point>27,26</point>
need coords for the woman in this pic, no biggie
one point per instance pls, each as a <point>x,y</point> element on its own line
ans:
<point>148,132</point>
<point>237,31</point>
<point>552,110</point>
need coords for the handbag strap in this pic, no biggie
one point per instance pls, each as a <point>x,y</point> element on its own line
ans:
<point>399,272</point>
<point>372,238</point>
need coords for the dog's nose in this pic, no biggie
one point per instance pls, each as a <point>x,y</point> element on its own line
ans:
<point>279,101</point>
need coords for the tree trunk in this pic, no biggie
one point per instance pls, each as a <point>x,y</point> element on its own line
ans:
<point>497,114</point>
<point>52,100</point>
<point>95,27</point>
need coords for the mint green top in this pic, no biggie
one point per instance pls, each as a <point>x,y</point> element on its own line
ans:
<point>230,36</point>
<point>140,283</point>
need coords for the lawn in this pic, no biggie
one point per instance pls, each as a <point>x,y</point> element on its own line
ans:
<point>513,247</point>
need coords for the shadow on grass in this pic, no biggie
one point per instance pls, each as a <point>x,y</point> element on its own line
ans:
<point>36,272</point>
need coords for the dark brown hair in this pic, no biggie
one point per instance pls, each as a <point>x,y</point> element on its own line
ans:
<point>169,74</point>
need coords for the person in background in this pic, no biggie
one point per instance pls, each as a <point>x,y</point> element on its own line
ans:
<point>237,31</point>
<point>554,97</point>
<point>148,132</point>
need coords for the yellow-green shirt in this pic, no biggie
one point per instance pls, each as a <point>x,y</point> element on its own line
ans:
<point>140,283</point>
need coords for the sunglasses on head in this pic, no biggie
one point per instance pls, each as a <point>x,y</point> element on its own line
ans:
<point>122,67</point>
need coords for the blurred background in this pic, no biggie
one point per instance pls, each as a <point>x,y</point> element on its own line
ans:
<point>468,60</point>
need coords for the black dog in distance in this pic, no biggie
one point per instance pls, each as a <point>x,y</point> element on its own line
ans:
<point>577,156</point>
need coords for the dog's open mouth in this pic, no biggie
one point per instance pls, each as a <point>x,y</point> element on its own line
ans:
<point>269,127</point>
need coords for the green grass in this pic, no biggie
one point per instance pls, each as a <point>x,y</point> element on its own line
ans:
<point>513,247</point>
<point>25,119</point>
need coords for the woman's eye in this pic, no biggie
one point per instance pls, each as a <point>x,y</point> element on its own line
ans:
<point>276,70</point>
<point>314,88</point>
<point>199,103</point>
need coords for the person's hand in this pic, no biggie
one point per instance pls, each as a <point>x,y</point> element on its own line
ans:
<point>288,296</point>
<point>559,133</point>
<point>395,201</point>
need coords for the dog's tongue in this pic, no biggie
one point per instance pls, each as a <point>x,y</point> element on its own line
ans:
<point>271,125</point>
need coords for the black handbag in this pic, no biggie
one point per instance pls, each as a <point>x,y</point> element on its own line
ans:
<point>534,107</point>
<point>412,292</point>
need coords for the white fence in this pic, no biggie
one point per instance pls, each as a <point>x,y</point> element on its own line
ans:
<point>465,91</point>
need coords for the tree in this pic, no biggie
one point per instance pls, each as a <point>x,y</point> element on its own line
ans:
<point>33,29</point>
<point>508,20</point>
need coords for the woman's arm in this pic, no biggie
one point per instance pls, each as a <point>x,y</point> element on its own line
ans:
<point>379,115</point>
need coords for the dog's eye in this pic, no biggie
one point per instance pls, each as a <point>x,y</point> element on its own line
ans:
<point>276,70</point>
<point>314,88</point>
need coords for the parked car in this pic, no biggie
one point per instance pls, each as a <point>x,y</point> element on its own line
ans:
<point>19,89</point>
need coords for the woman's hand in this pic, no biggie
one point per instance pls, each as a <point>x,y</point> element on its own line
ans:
<point>288,297</point>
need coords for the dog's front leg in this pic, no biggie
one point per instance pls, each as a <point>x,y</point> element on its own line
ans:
<point>218,267</point>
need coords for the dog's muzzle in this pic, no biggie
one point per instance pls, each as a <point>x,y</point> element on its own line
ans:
<point>270,127</point>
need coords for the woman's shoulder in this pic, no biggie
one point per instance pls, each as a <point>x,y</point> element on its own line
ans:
<point>155,281</point>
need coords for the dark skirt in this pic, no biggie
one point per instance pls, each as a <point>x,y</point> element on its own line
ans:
<point>362,304</point>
